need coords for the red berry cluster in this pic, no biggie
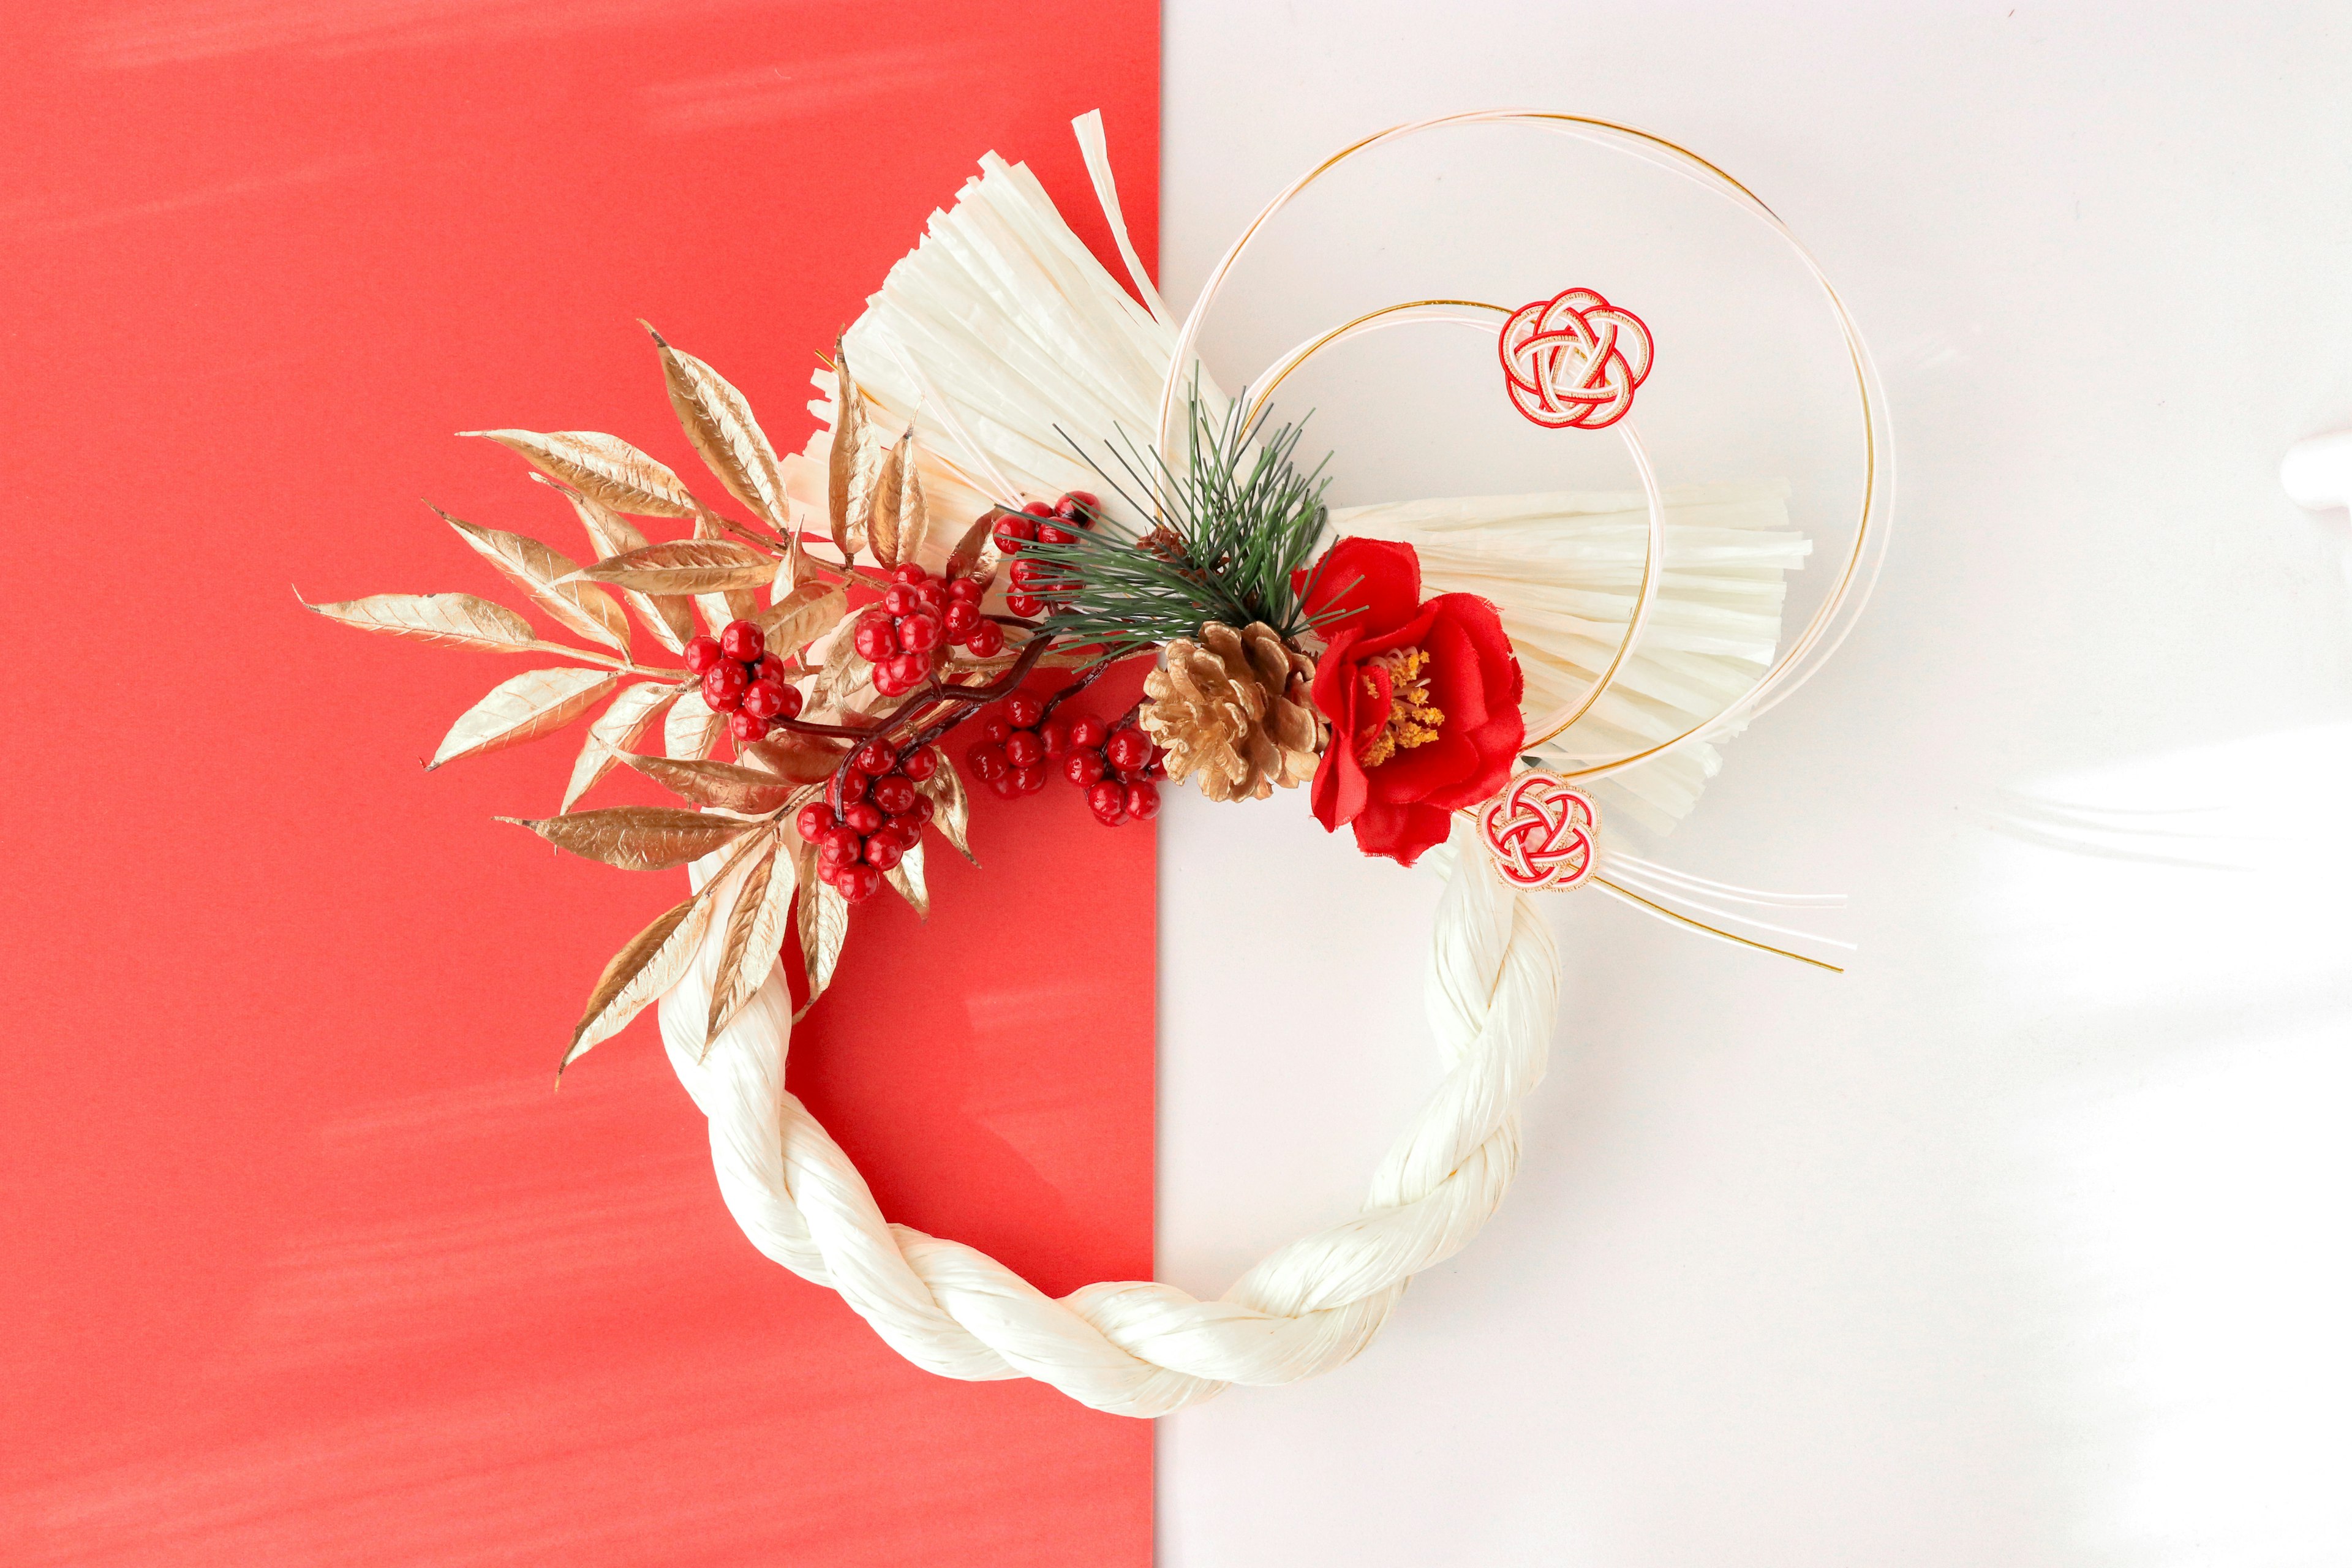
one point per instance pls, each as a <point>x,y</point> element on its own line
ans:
<point>879,818</point>
<point>1010,757</point>
<point>1038,585</point>
<point>1019,739</point>
<point>741,679</point>
<point>1117,771</point>
<point>920,616</point>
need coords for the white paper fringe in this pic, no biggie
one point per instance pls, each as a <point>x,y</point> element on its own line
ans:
<point>1565,570</point>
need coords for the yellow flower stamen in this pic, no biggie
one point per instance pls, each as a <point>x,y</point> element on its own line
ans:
<point>1411,720</point>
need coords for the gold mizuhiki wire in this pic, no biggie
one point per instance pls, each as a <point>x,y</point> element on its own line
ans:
<point>1828,625</point>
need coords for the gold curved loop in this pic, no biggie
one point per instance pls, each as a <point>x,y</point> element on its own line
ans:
<point>1826,629</point>
<point>1565,717</point>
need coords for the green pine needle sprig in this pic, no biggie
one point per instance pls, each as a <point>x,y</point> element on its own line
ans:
<point>1229,530</point>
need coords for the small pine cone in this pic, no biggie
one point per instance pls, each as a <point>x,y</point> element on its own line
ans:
<point>1232,707</point>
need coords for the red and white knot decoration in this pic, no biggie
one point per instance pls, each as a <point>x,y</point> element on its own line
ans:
<point>1542,832</point>
<point>1573,362</point>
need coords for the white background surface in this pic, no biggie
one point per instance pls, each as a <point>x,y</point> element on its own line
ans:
<point>2024,1242</point>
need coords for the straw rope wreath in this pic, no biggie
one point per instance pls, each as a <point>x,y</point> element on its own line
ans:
<point>1493,982</point>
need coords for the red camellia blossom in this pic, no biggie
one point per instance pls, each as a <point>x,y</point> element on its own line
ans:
<point>1423,699</point>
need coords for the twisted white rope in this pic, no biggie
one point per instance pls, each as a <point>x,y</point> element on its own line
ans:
<point>1135,1347</point>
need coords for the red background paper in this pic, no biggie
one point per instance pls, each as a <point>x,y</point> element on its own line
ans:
<point>306,1264</point>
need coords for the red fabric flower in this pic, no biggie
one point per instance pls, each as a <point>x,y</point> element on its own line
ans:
<point>1423,700</point>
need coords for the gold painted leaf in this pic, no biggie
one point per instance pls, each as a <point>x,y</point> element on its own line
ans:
<point>883,520</point>
<point>667,616</point>
<point>842,461</point>
<point>718,421</point>
<point>718,784</point>
<point>798,759</point>
<point>731,604</point>
<point>655,958</point>
<point>964,561</point>
<point>914,512</point>
<point>803,615</point>
<point>615,730</point>
<point>755,935</point>
<point>907,879</point>
<point>523,708</point>
<point>823,927</point>
<point>840,674</point>
<point>953,812</point>
<point>685,566</point>
<point>448,620</point>
<point>541,572</point>
<point>638,837</point>
<point>692,729</point>
<point>605,467</point>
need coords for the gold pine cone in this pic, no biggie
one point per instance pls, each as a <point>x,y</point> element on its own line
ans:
<point>1231,707</point>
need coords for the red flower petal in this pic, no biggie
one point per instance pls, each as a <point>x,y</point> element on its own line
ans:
<point>1374,583</point>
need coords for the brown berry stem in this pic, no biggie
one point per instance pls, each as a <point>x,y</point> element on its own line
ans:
<point>1072,689</point>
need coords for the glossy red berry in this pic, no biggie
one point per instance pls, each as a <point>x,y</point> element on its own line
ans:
<point>898,600</point>
<point>986,641</point>
<point>885,681</point>
<point>1054,533</point>
<point>1127,751</point>
<point>1079,507</point>
<point>1053,734</point>
<point>814,821</point>
<point>1142,801</point>
<point>1087,731</point>
<point>994,727</point>
<point>1030,572</point>
<point>1025,606</point>
<point>1029,780</point>
<point>924,809</point>
<point>746,727</point>
<point>842,844</point>
<point>1013,533</point>
<point>893,793</point>
<point>907,572</point>
<point>908,669</point>
<point>1005,787</point>
<point>852,786</point>
<point>964,588</point>
<point>987,762</point>
<point>770,667</point>
<point>875,638</point>
<point>932,595</point>
<point>1023,709</point>
<point>764,700</point>
<point>1082,768</point>
<point>723,686</point>
<point>1108,800</point>
<point>884,851</point>
<point>860,883</point>
<point>875,757</point>
<point>865,817</point>
<point>1023,750</point>
<point>1039,508</point>
<point>920,765</point>
<point>920,633</point>
<point>743,642</point>
<point>701,653</point>
<point>963,615</point>
<point>792,700</point>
